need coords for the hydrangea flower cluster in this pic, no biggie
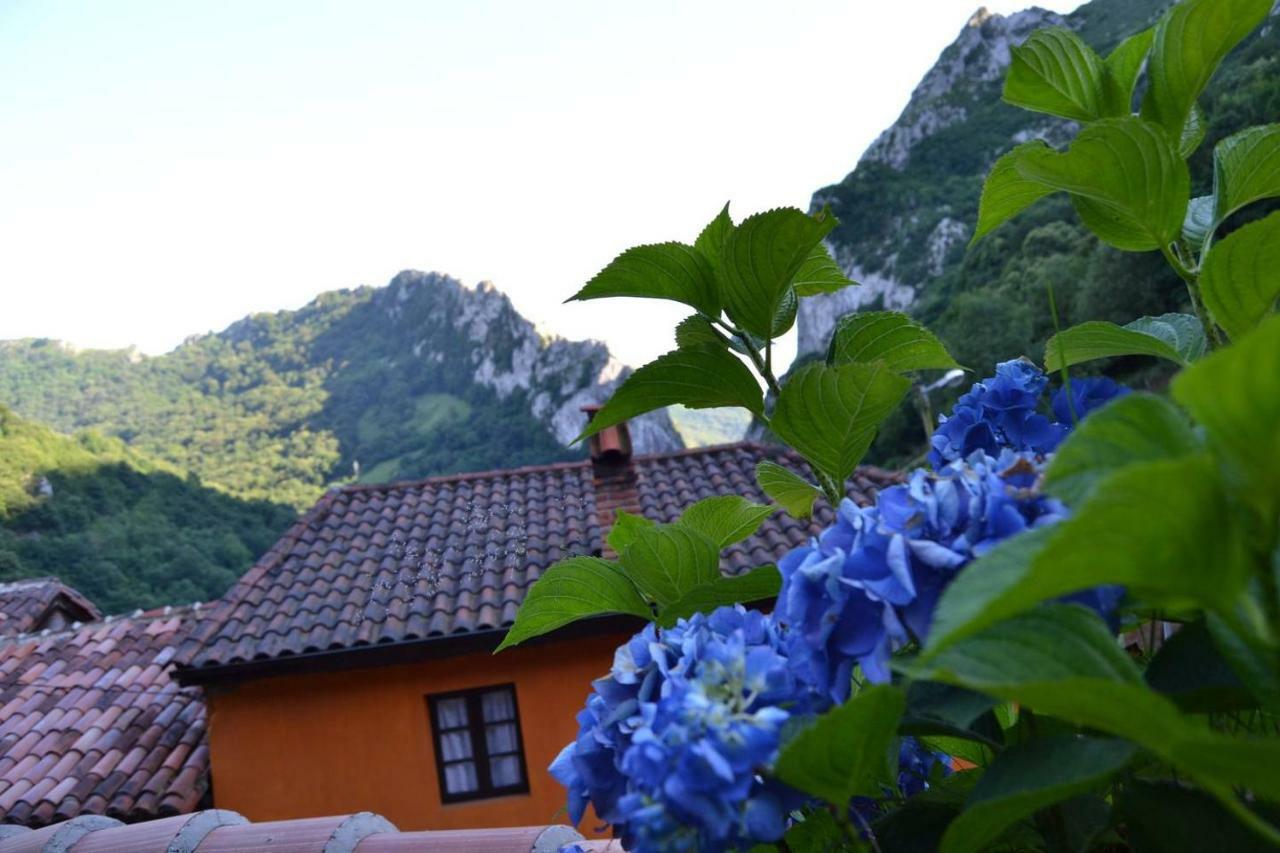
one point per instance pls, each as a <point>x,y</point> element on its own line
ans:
<point>672,743</point>
<point>870,582</point>
<point>675,743</point>
<point>1003,412</point>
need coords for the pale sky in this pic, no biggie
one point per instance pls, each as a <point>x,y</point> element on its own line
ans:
<point>168,167</point>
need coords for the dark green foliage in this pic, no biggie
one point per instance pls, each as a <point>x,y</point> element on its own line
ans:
<point>991,301</point>
<point>126,531</point>
<point>278,406</point>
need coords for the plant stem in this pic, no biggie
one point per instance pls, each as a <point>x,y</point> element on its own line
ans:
<point>753,353</point>
<point>847,825</point>
<point>1192,278</point>
<point>830,487</point>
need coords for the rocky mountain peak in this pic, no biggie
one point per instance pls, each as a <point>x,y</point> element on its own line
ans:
<point>505,352</point>
<point>980,54</point>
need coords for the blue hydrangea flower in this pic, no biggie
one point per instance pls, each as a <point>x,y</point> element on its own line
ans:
<point>590,767</point>
<point>870,582</point>
<point>1087,394</point>
<point>999,412</point>
<point>672,745</point>
<point>917,765</point>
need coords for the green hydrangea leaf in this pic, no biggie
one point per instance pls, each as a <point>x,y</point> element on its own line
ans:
<point>817,832</point>
<point>759,260</point>
<point>787,489</point>
<point>667,561</point>
<point>758,584</point>
<point>1235,395</point>
<point>1200,222</point>
<point>845,752</point>
<point>710,242</point>
<point>1122,67</point>
<point>1193,132</point>
<point>700,377</point>
<point>1190,41</point>
<point>725,519</point>
<point>1126,179</point>
<point>1170,817</point>
<point>900,342</point>
<point>1055,72</point>
<point>1028,777</point>
<point>1240,281</point>
<point>785,316</point>
<point>1135,428</point>
<point>830,414</point>
<point>1006,192</point>
<point>1182,332</point>
<point>1246,168</point>
<point>1254,659</point>
<point>1062,661</point>
<point>660,271</point>
<point>574,589</point>
<point>1050,643</point>
<point>1176,337</point>
<point>625,527</point>
<point>1143,527</point>
<point>820,274</point>
<point>1189,670</point>
<point>695,331</point>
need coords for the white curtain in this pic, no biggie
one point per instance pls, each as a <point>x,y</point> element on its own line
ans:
<point>499,705</point>
<point>455,746</point>
<point>505,770</point>
<point>459,775</point>
<point>502,742</point>
<point>501,738</point>
<point>451,713</point>
<point>460,778</point>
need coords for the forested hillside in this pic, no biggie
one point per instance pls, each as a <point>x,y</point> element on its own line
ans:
<point>424,376</point>
<point>908,209</point>
<point>126,531</point>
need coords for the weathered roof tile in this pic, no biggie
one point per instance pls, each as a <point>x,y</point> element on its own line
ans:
<point>88,715</point>
<point>449,556</point>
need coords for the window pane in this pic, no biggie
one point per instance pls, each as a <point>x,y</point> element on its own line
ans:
<point>499,705</point>
<point>455,745</point>
<point>460,778</point>
<point>451,713</point>
<point>505,770</point>
<point>501,738</point>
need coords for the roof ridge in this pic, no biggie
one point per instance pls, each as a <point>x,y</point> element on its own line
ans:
<point>181,611</point>
<point>461,476</point>
<point>492,473</point>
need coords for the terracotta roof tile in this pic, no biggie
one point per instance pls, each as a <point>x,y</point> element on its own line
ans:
<point>91,721</point>
<point>451,556</point>
<point>29,605</point>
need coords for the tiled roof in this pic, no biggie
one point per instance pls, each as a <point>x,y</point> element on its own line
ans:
<point>455,555</point>
<point>25,605</point>
<point>91,722</point>
<point>223,831</point>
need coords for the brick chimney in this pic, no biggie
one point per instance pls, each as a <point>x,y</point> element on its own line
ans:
<point>613,477</point>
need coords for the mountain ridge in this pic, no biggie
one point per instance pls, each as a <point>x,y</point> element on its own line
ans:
<point>907,210</point>
<point>422,376</point>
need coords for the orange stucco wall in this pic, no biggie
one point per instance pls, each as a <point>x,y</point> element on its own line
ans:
<point>334,743</point>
